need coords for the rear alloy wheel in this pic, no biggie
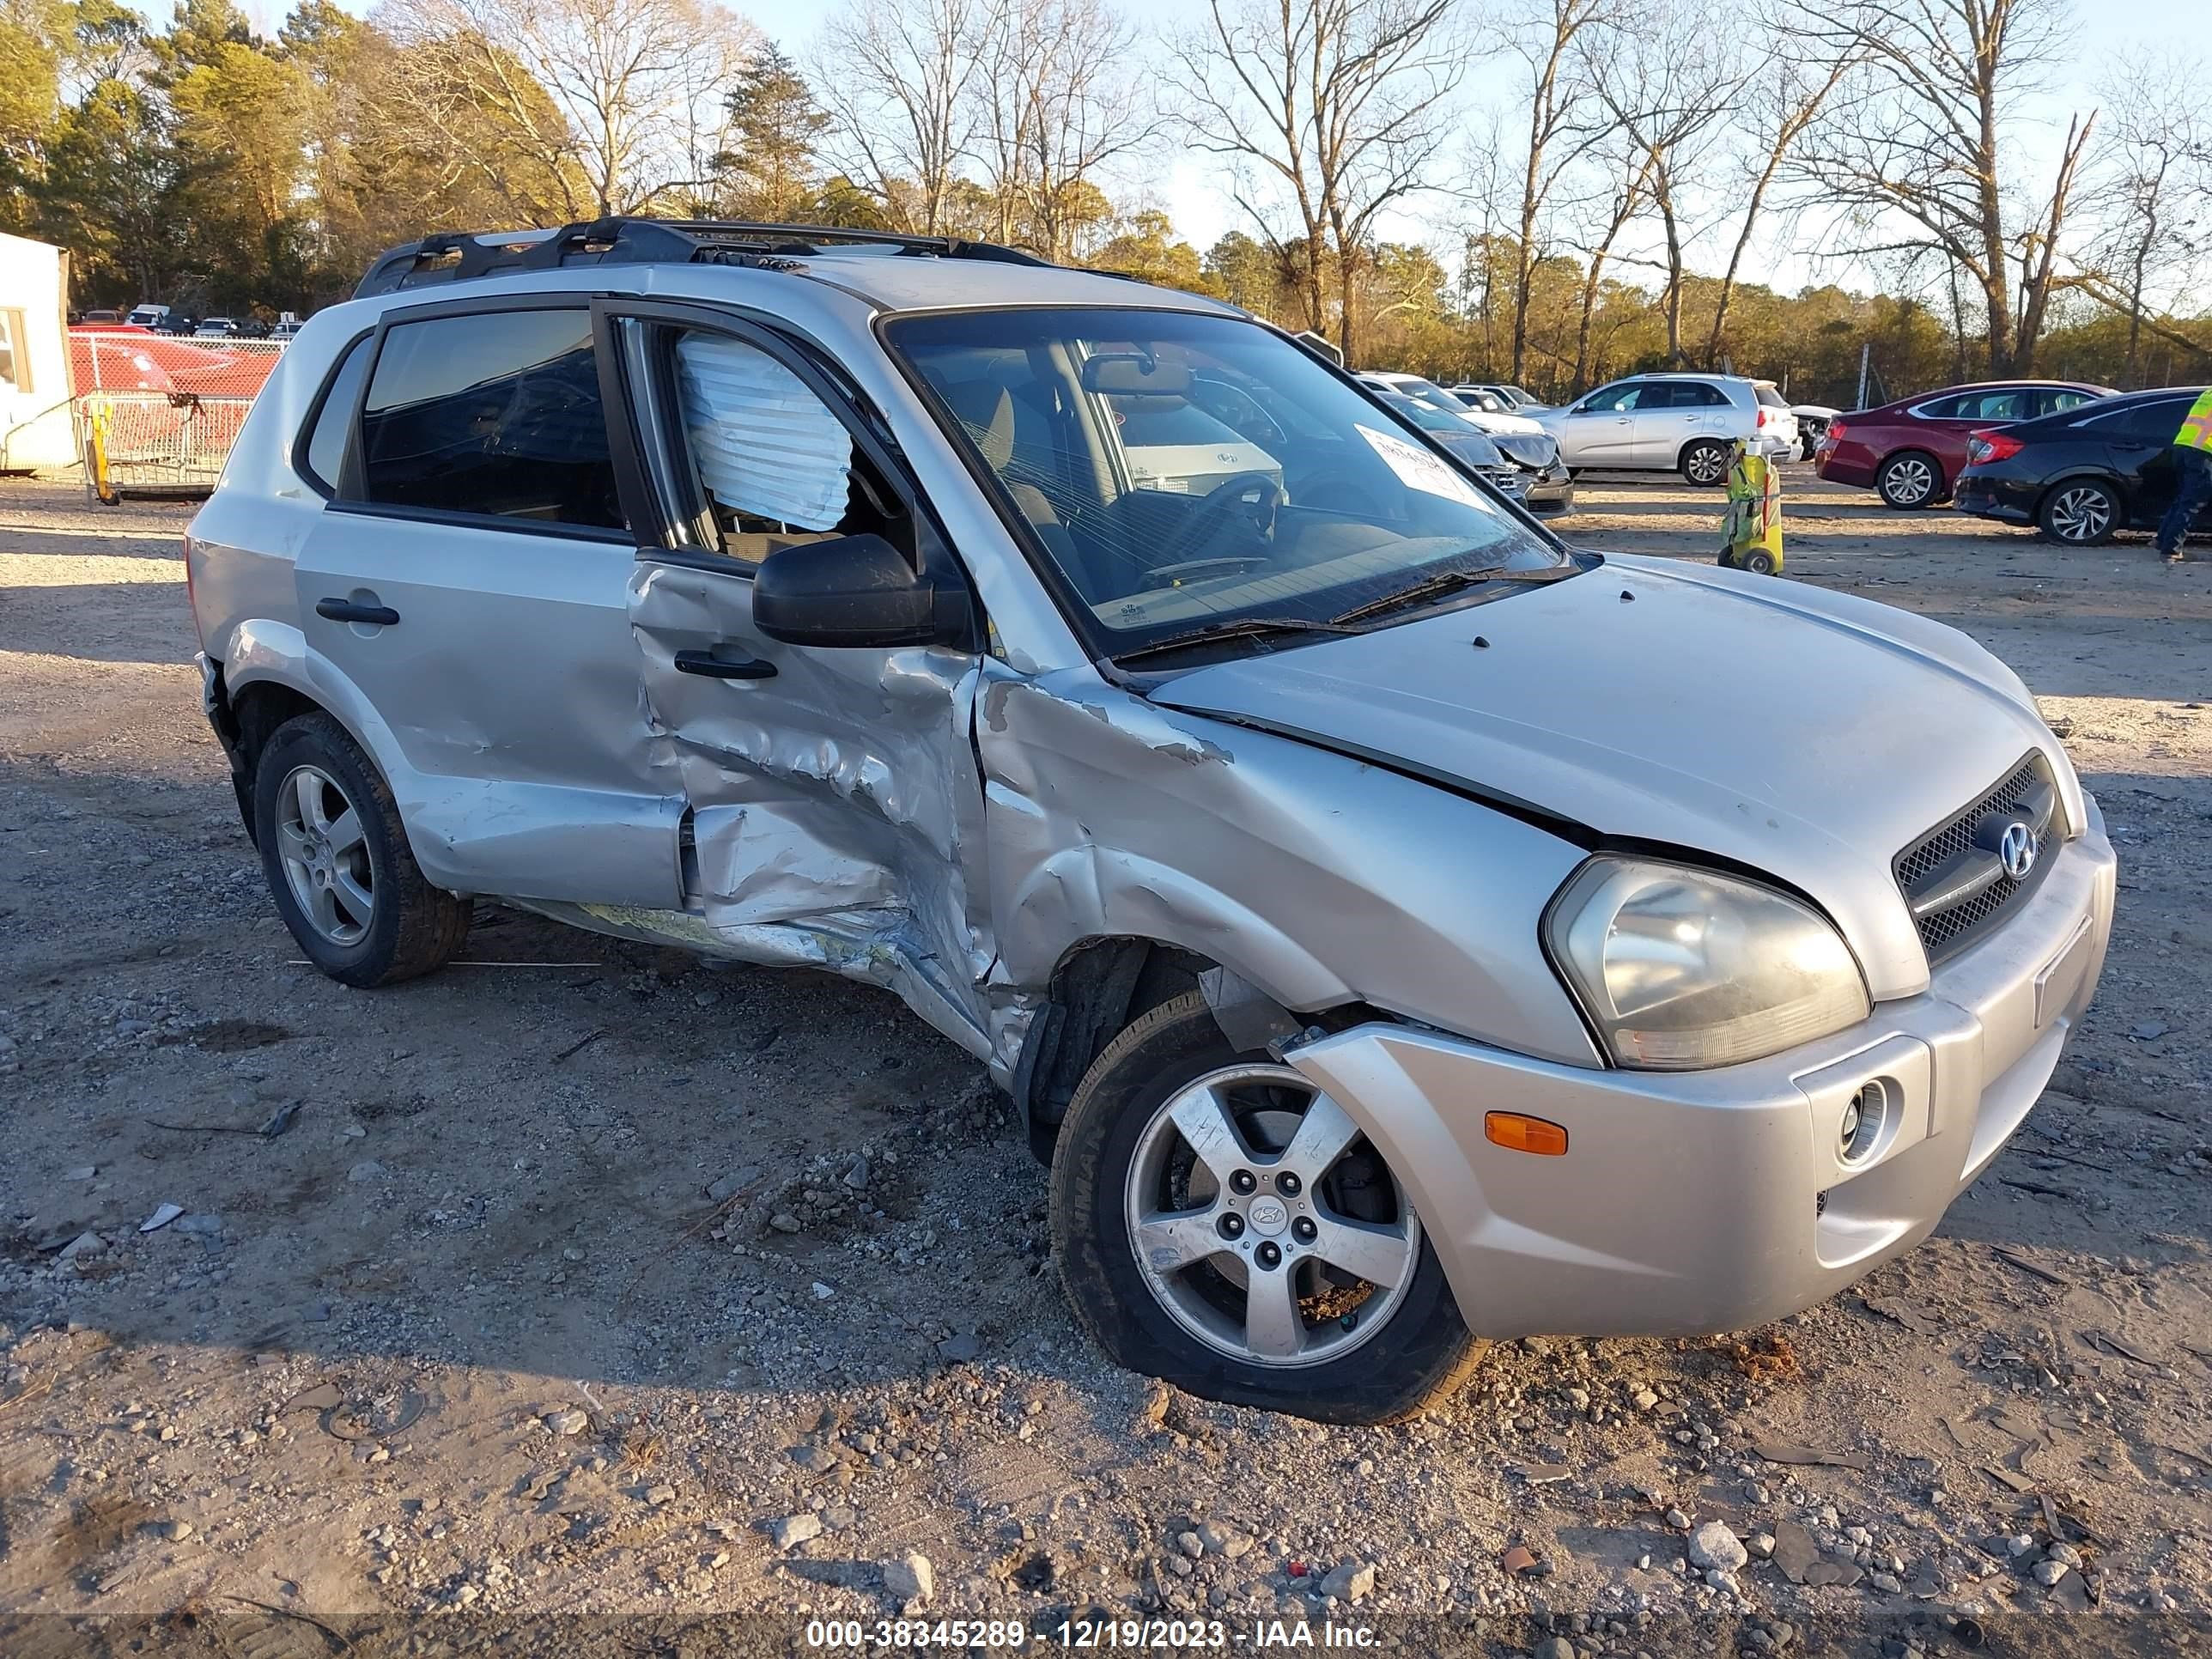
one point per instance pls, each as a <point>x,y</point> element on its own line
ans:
<point>1705,462</point>
<point>335,856</point>
<point>1909,481</point>
<point>2082,513</point>
<point>1222,1223</point>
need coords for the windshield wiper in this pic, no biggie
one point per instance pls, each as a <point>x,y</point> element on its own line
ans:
<point>1447,581</point>
<point>1243,628</point>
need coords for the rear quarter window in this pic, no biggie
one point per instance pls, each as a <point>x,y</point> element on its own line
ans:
<point>322,457</point>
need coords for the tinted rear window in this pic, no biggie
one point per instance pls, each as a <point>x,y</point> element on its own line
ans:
<point>1770,396</point>
<point>497,413</point>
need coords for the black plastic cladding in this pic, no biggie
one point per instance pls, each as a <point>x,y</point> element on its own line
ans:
<point>460,256</point>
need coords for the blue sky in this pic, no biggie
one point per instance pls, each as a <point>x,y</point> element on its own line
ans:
<point>1202,211</point>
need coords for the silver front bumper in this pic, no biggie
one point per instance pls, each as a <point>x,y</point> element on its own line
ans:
<point>1699,1202</point>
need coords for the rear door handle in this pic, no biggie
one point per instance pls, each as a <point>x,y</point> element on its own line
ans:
<point>713,667</point>
<point>345,611</point>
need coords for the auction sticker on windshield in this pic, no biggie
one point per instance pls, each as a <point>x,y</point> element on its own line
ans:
<point>1419,470</point>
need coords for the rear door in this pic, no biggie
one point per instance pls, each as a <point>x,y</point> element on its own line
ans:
<point>471,581</point>
<point>1670,413</point>
<point>832,804</point>
<point>2140,448</point>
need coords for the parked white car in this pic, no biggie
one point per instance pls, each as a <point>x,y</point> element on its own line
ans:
<point>1391,925</point>
<point>1495,422</point>
<point>1516,399</point>
<point>1683,424</point>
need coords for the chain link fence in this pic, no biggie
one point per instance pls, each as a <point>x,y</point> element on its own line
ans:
<point>156,414</point>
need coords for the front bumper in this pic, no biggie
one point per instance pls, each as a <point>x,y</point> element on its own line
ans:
<point>1693,1203</point>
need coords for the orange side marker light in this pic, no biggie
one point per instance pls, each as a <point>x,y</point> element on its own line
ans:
<point>1518,1132</point>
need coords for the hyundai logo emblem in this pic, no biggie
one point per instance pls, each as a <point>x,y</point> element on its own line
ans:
<point>2016,850</point>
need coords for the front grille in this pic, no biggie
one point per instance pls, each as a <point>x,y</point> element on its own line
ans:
<point>1507,480</point>
<point>1956,856</point>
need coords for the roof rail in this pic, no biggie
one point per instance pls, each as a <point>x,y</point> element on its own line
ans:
<point>461,256</point>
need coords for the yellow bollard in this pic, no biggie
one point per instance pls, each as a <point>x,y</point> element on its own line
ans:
<point>103,488</point>
<point>1752,525</point>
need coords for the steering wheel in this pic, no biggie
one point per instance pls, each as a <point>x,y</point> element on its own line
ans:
<point>1227,498</point>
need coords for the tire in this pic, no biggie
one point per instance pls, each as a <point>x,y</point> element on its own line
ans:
<point>1704,463</point>
<point>2081,513</point>
<point>1910,480</point>
<point>1415,1349</point>
<point>359,907</point>
<point>1759,563</point>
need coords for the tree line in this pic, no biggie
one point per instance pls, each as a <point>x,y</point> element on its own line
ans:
<point>1609,211</point>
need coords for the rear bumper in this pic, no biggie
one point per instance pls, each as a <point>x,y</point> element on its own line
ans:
<point>1695,1203</point>
<point>1839,466</point>
<point>1991,498</point>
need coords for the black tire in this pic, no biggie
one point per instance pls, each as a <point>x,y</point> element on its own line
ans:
<point>1423,1352</point>
<point>1704,463</point>
<point>1758,563</point>
<point>414,927</point>
<point>2081,513</point>
<point>1910,480</point>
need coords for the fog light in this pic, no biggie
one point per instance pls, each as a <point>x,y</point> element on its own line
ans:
<point>1863,1121</point>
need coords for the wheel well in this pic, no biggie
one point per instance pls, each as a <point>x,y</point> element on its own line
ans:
<point>1689,444</point>
<point>1100,986</point>
<point>2119,494</point>
<point>258,710</point>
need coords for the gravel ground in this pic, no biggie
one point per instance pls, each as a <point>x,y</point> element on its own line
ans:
<point>589,1299</point>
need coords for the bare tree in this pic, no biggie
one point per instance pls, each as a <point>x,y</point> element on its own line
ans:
<point>1780,104</point>
<point>1061,103</point>
<point>1564,120</point>
<point>1667,78</point>
<point>2155,173</point>
<point>621,96</point>
<point>897,77</point>
<point>1914,145</point>
<point>1341,105</point>
<point>1628,172</point>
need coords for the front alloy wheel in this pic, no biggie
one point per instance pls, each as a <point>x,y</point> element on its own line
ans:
<point>1238,1198</point>
<point>1222,1223</point>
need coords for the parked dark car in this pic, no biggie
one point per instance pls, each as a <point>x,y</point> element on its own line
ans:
<point>1524,466</point>
<point>1912,451</point>
<point>2082,476</point>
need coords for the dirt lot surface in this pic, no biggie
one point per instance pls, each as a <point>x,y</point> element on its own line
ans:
<point>589,1300</point>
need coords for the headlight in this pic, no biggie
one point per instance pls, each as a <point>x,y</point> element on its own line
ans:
<point>1681,968</point>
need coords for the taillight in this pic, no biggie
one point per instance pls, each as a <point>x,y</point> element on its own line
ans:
<point>1762,415</point>
<point>1835,430</point>
<point>1983,447</point>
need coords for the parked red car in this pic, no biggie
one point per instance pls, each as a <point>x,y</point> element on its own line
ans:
<point>1913,450</point>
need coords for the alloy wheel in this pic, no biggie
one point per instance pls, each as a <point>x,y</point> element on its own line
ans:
<point>1909,482</point>
<point>1706,465</point>
<point>2083,513</point>
<point>1264,1223</point>
<point>326,856</point>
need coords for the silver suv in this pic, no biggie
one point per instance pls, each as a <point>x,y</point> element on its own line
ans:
<point>1390,930</point>
<point>1684,423</point>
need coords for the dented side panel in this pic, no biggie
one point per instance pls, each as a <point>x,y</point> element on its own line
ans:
<point>834,811</point>
<point>1321,880</point>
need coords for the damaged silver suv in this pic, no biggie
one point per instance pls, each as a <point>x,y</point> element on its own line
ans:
<point>1396,928</point>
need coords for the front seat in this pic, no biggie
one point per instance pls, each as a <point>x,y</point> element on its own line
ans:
<point>989,413</point>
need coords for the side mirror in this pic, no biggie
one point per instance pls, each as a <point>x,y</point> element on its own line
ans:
<point>856,592</point>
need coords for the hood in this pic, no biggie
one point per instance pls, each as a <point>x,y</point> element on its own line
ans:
<point>1806,734</point>
<point>1496,423</point>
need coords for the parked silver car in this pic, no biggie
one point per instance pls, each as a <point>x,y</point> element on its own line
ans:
<point>1683,424</point>
<point>1390,927</point>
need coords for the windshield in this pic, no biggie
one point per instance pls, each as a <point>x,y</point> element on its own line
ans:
<point>1313,502</point>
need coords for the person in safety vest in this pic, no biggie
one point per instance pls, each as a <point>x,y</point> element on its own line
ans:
<point>2192,467</point>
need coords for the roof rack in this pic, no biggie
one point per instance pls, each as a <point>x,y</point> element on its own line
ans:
<point>460,256</point>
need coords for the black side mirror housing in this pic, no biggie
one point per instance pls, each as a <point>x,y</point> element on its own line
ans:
<point>857,592</point>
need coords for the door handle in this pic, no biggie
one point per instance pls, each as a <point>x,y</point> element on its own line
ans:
<point>345,611</point>
<point>713,667</point>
